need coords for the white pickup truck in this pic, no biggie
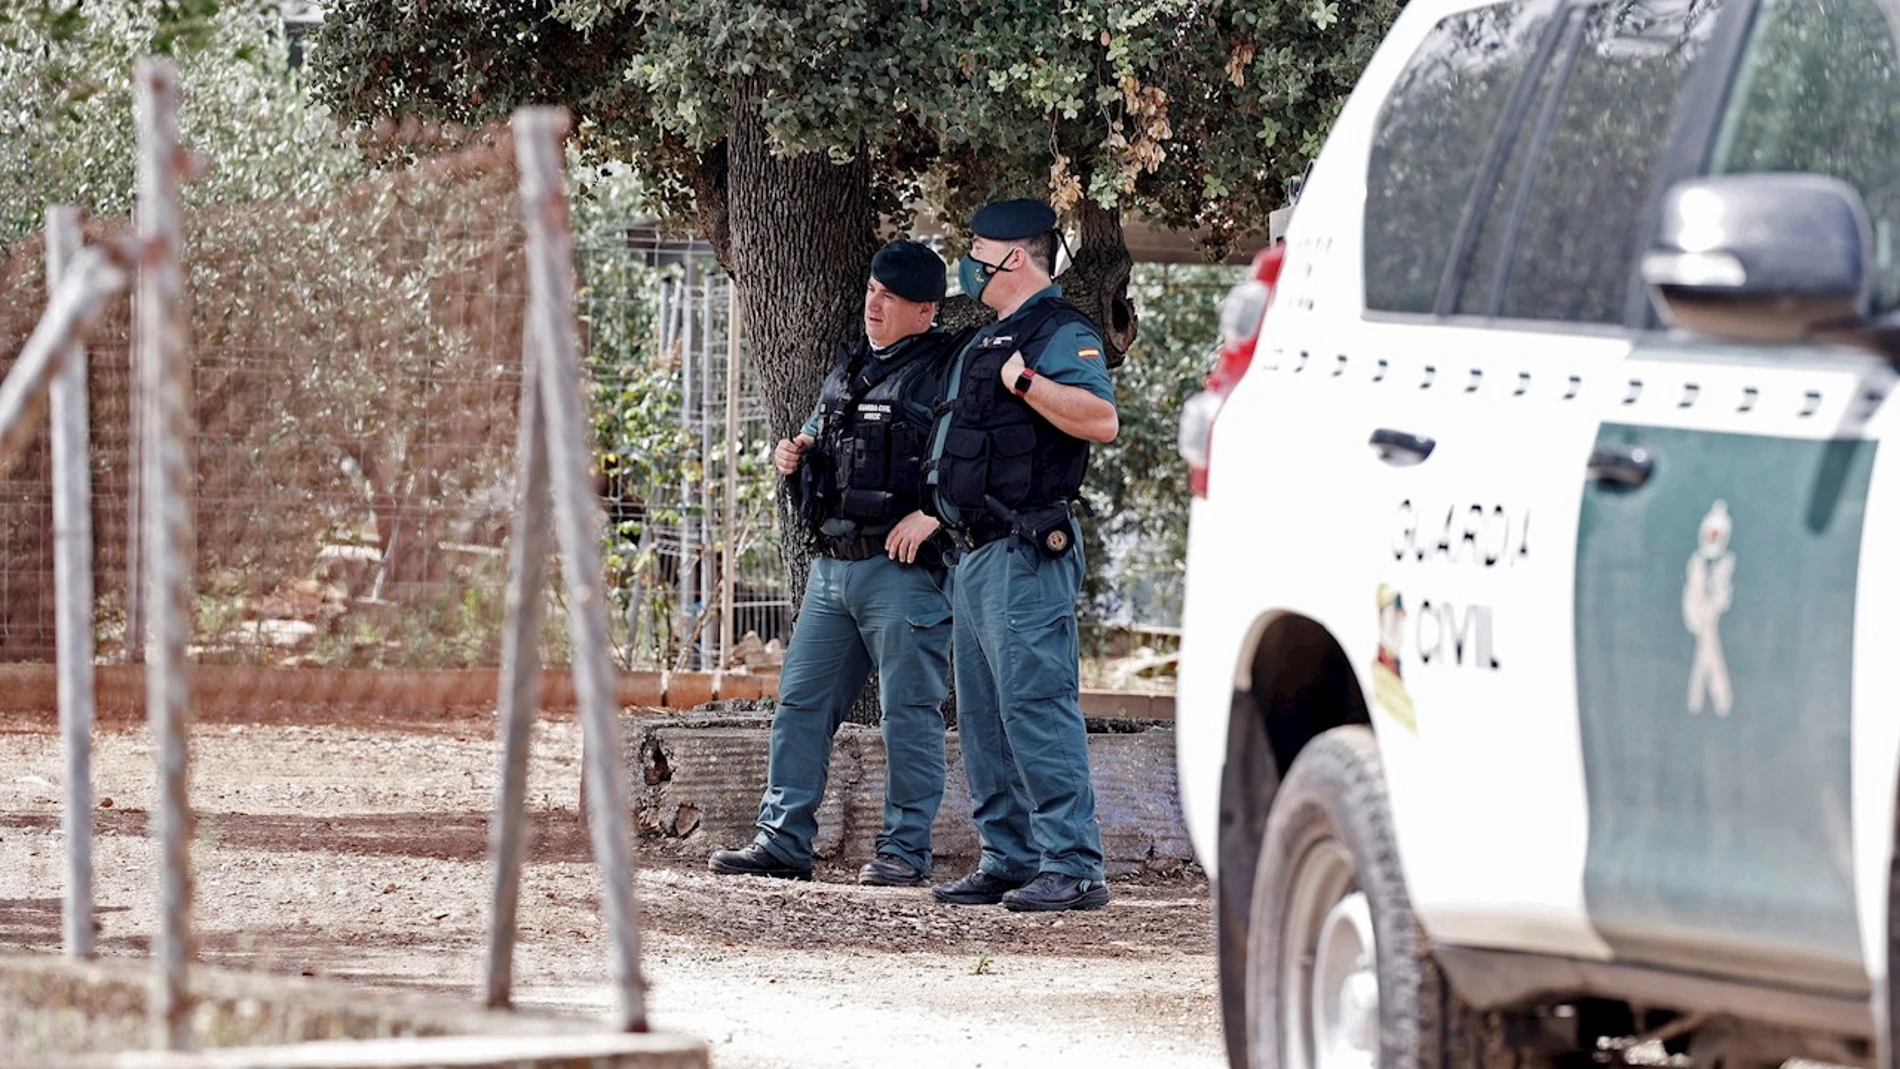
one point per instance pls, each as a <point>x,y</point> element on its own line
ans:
<point>1533,705</point>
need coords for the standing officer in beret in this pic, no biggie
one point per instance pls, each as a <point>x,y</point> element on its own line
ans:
<point>878,590</point>
<point>1027,395</point>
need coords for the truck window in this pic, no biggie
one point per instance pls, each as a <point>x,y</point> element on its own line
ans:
<point>1484,266</point>
<point>1433,134</point>
<point>1573,232</point>
<point>1819,91</point>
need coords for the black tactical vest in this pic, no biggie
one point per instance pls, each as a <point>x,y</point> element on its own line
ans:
<point>996,445</point>
<point>874,433</point>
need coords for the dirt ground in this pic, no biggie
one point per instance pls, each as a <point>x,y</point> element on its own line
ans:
<point>353,845</point>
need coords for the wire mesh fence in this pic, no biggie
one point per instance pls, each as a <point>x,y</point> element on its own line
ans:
<point>667,400</point>
<point>248,445</point>
<point>356,365</point>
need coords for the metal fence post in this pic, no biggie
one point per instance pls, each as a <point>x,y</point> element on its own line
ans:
<point>520,687</point>
<point>135,635</point>
<point>72,582</point>
<point>538,137</point>
<point>729,540</point>
<point>93,276</point>
<point>159,342</point>
<point>708,560</point>
<point>689,536</point>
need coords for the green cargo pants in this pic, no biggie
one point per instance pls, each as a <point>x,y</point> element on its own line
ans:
<point>857,615</point>
<point>1025,747</point>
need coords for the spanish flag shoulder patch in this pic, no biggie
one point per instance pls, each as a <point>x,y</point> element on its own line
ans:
<point>1088,354</point>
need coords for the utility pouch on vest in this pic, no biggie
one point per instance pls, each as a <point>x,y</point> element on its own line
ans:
<point>814,485</point>
<point>1047,527</point>
<point>866,504</point>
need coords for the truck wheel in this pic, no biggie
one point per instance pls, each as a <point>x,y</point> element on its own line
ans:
<point>1249,783</point>
<point>1339,973</point>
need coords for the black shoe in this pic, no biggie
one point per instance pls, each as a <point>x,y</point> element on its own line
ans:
<point>754,860</point>
<point>979,888</point>
<point>889,870</point>
<point>1054,891</point>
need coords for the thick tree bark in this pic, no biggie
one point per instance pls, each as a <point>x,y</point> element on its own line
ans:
<point>801,244</point>
<point>801,248</point>
<point>1097,282</point>
<point>712,206</point>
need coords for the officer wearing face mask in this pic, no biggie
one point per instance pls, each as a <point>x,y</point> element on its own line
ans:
<point>876,596</point>
<point>1026,397</point>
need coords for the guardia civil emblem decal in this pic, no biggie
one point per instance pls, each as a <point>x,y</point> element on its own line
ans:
<point>1388,681</point>
<point>1706,595</point>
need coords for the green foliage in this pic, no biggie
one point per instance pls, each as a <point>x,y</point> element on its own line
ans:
<point>68,133</point>
<point>643,448</point>
<point>1191,112</point>
<point>1137,540</point>
<point>635,387</point>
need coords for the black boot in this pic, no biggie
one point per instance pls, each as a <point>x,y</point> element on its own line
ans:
<point>889,870</point>
<point>1052,891</point>
<point>754,860</point>
<point>979,888</point>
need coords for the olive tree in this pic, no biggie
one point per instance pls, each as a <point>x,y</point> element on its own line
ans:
<point>68,136</point>
<point>793,134</point>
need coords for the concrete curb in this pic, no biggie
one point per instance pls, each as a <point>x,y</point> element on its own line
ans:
<point>697,782</point>
<point>65,1014</point>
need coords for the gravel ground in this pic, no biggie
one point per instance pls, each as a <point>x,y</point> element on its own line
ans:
<point>353,845</point>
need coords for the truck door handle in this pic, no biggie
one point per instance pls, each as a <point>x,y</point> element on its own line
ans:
<point>1401,447</point>
<point>1622,465</point>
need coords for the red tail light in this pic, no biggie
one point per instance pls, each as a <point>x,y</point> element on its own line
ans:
<point>1240,317</point>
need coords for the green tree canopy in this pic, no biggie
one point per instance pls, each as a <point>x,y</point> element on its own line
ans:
<point>791,132</point>
<point>67,135</point>
<point>1192,113</point>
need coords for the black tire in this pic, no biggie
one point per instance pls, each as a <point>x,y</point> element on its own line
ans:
<point>1230,956</point>
<point>1332,811</point>
<point>1249,783</point>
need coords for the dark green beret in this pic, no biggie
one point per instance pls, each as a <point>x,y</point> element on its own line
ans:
<point>910,270</point>
<point>1009,220</point>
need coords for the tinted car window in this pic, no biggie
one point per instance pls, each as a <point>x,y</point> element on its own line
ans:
<point>1433,134</point>
<point>1484,266</point>
<point>1819,91</point>
<point>1578,235</point>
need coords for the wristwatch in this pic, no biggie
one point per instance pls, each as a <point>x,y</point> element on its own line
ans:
<point>1023,378</point>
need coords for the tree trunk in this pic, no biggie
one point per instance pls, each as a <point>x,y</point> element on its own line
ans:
<point>802,239</point>
<point>712,205</point>
<point>1097,281</point>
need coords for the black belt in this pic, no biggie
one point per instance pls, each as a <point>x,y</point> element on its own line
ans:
<point>930,555</point>
<point>979,533</point>
<point>853,548</point>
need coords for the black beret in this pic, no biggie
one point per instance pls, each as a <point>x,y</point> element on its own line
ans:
<point>1007,220</point>
<point>910,270</point>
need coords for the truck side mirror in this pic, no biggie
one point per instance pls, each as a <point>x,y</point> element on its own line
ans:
<point>1762,257</point>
